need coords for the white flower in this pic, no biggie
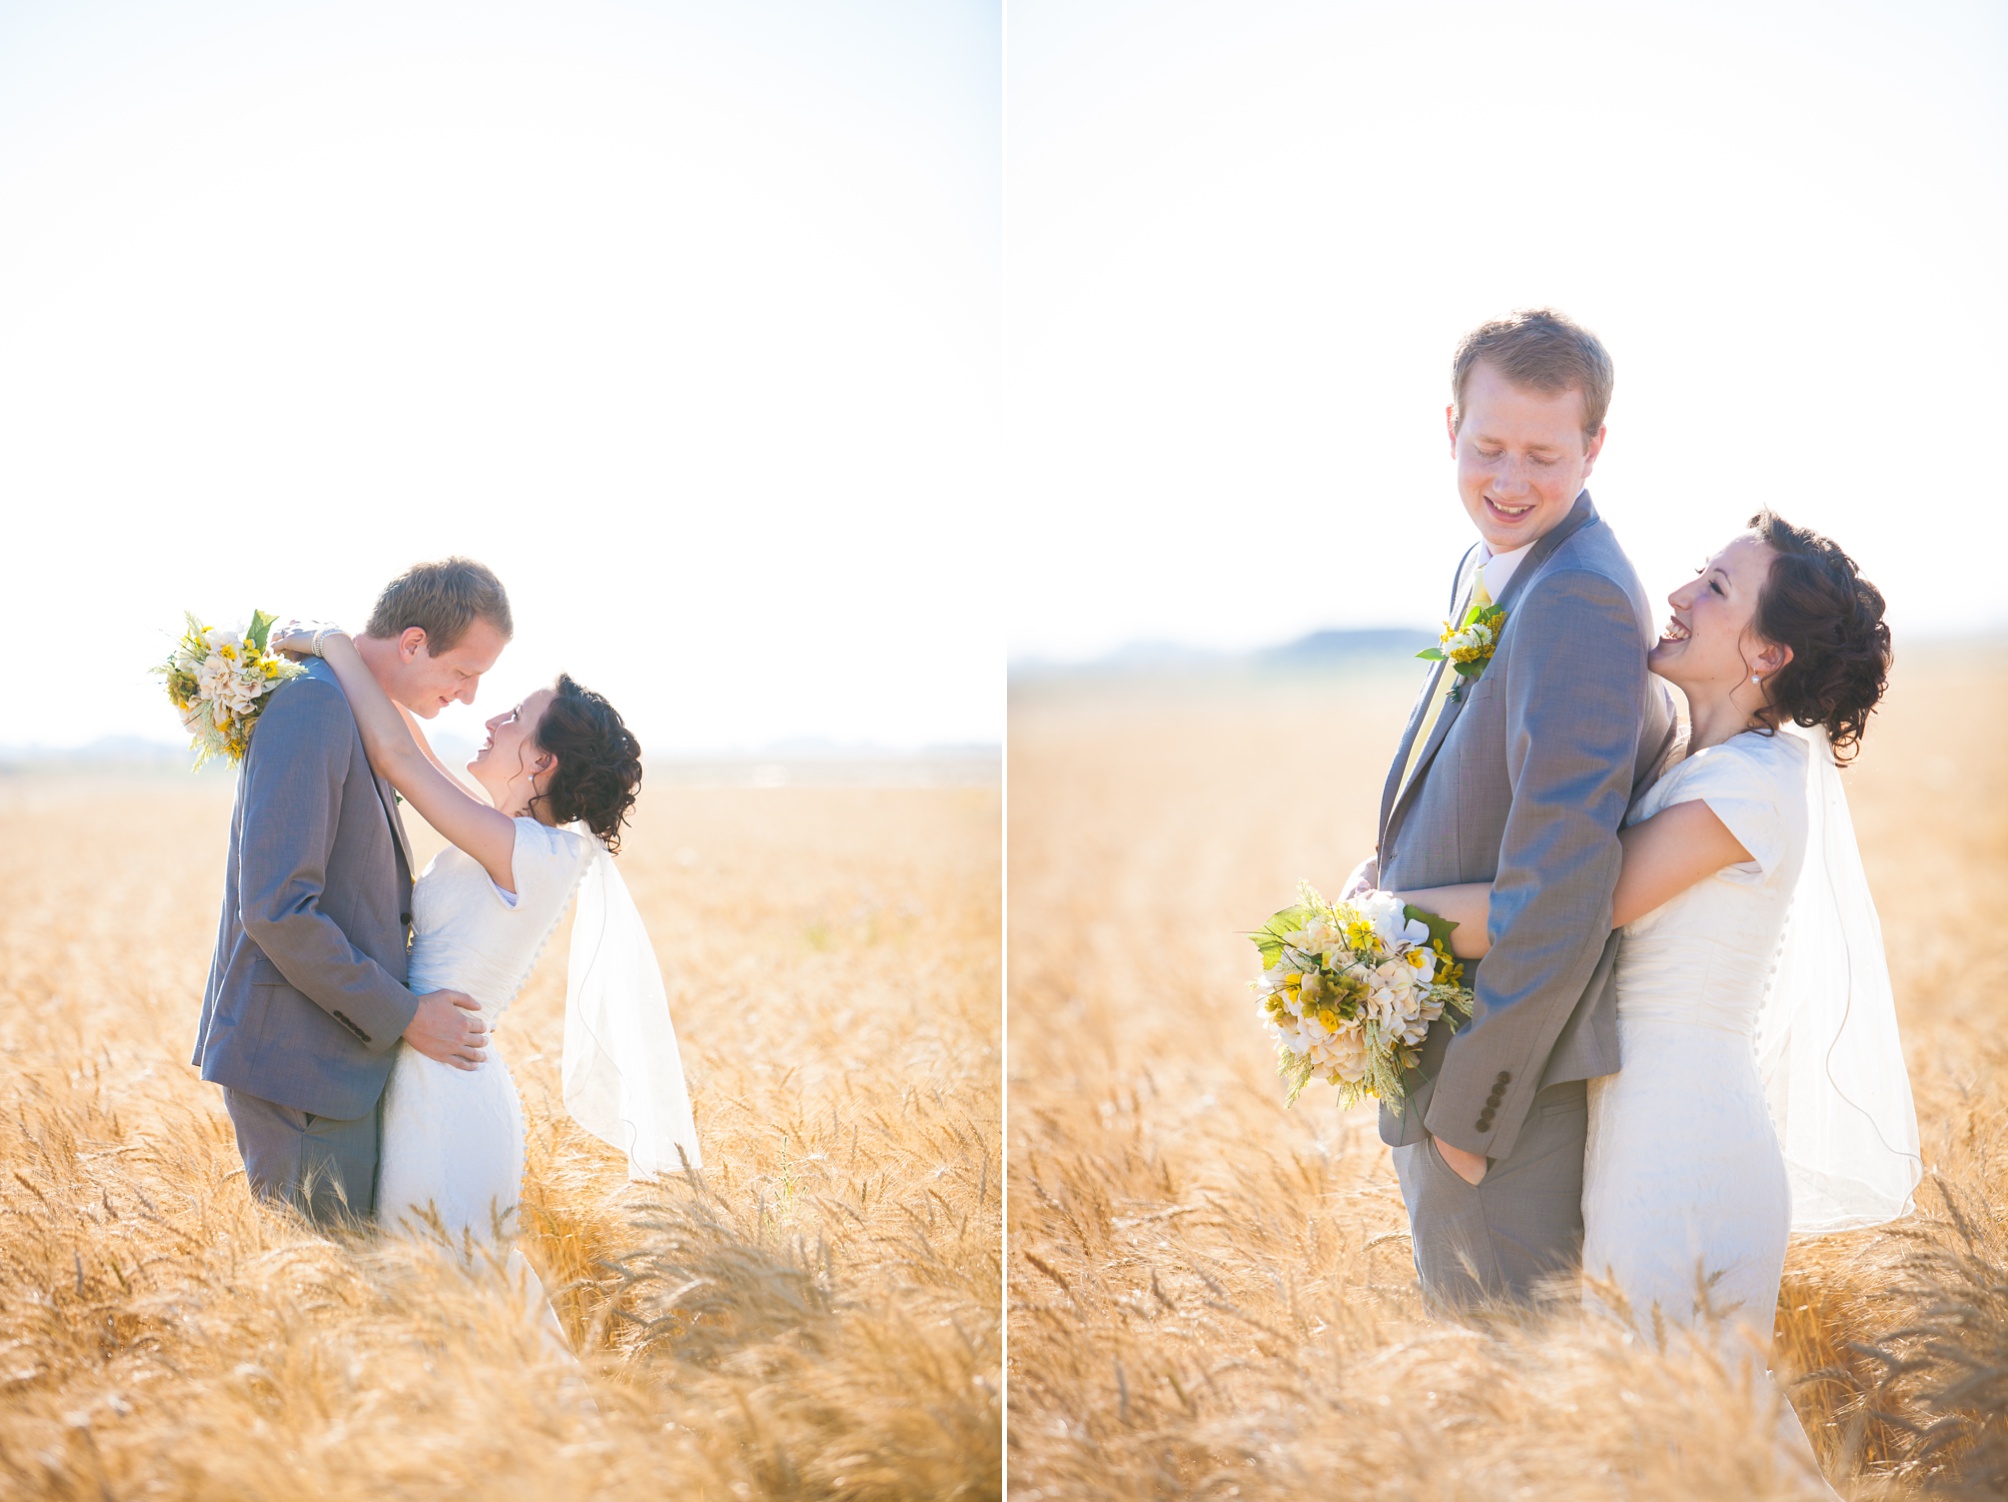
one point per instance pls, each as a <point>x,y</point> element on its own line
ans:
<point>227,688</point>
<point>1318,942</point>
<point>1387,913</point>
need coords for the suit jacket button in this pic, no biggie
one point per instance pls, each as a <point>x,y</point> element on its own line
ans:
<point>1504,1077</point>
<point>404,918</point>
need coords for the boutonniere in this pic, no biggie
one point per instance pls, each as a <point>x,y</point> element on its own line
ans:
<point>1468,646</point>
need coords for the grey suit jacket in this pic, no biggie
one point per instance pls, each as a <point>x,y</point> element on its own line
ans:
<point>306,998</point>
<point>1523,783</point>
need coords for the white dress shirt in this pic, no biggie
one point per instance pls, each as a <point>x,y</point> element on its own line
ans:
<point>1498,568</point>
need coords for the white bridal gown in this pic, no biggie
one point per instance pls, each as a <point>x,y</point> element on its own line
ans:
<point>451,1153</point>
<point>1687,1204</point>
<point>1763,1089</point>
<point>1683,1176</point>
<point>452,1142</point>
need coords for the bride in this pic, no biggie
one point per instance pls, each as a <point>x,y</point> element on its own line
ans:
<point>556,780</point>
<point>1763,1088</point>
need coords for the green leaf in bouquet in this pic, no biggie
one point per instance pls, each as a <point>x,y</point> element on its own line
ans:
<point>1439,927</point>
<point>1431,654</point>
<point>1273,935</point>
<point>1469,669</point>
<point>261,628</point>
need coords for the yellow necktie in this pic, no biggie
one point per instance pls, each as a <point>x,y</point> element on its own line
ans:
<point>1445,680</point>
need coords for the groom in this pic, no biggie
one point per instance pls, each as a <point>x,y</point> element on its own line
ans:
<point>1520,778</point>
<point>306,998</point>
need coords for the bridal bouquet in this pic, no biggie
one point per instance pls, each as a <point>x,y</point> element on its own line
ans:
<point>1350,988</point>
<point>219,680</point>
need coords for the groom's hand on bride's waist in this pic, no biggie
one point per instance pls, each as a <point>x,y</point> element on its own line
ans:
<point>448,1028</point>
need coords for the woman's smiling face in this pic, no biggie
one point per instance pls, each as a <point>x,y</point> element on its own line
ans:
<point>1710,643</point>
<point>511,754</point>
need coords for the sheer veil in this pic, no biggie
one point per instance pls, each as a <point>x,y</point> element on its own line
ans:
<point>623,1075</point>
<point>1827,1039</point>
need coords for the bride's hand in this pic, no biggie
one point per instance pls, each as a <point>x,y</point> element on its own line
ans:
<point>1365,877</point>
<point>299,640</point>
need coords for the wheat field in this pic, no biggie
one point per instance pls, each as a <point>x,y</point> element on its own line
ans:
<point>816,1315</point>
<point>1211,1296</point>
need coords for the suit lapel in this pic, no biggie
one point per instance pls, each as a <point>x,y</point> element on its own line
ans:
<point>1459,584</point>
<point>1395,796</point>
<point>387,796</point>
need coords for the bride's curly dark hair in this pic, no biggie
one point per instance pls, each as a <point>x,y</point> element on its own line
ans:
<point>1816,602</point>
<point>599,761</point>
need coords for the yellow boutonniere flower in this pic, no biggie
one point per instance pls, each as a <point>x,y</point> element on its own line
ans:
<point>1468,645</point>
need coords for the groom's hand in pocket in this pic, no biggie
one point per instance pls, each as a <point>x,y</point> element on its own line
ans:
<point>1469,1167</point>
<point>448,1028</point>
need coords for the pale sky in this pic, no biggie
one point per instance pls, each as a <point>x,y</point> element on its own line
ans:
<point>683,317</point>
<point>1243,237</point>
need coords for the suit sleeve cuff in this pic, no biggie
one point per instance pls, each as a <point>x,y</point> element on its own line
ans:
<point>378,1017</point>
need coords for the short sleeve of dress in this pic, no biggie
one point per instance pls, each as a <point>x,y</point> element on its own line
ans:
<point>1747,783</point>
<point>548,864</point>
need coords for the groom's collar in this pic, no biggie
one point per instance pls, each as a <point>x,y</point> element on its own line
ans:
<point>1499,568</point>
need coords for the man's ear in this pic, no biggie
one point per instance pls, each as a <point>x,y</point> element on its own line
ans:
<point>1596,447</point>
<point>410,642</point>
<point>1450,426</point>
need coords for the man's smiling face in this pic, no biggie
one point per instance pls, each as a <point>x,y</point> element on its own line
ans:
<point>426,684</point>
<point>1521,456</point>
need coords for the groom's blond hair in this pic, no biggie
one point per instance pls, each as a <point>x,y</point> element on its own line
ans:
<point>1538,349</point>
<point>442,599</point>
